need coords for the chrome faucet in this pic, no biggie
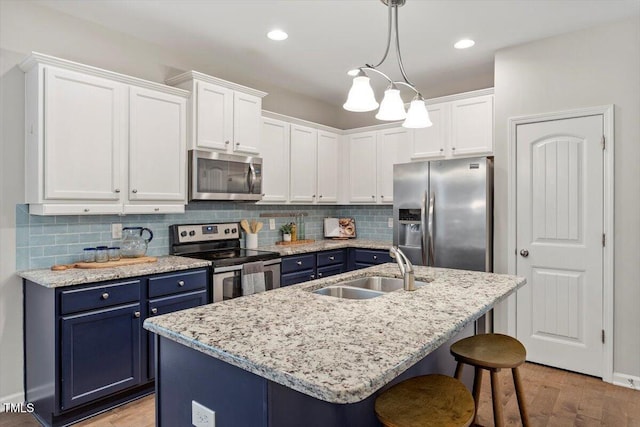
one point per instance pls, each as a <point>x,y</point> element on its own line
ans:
<point>406,268</point>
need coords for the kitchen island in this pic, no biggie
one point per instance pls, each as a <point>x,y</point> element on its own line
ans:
<point>291,357</point>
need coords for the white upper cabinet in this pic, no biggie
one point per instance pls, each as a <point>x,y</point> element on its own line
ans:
<point>461,128</point>
<point>362,167</point>
<point>223,116</point>
<point>157,142</point>
<point>275,160</point>
<point>393,146</point>
<point>328,166</point>
<point>303,164</point>
<point>99,142</point>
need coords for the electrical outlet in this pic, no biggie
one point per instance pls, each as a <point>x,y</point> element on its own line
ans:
<point>390,223</point>
<point>272,224</point>
<point>201,416</point>
<point>116,231</point>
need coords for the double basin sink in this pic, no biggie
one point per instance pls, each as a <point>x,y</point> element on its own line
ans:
<point>364,287</point>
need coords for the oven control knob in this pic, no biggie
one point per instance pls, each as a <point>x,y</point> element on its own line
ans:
<point>192,233</point>
<point>234,230</point>
<point>227,231</point>
<point>183,234</point>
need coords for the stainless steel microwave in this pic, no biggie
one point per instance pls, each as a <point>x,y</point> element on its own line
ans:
<point>219,176</point>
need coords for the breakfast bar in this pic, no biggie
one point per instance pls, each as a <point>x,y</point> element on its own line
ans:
<point>292,357</point>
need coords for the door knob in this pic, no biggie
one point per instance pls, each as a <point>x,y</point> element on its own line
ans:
<point>154,310</point>
<point>524,253</point>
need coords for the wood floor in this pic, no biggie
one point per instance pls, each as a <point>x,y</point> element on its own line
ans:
<point>555,398</point>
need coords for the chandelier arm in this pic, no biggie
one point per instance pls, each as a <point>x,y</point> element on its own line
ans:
<point>399,56</point>
<point>409,85</point>
<point>386,52</point>
<point>372,68</point>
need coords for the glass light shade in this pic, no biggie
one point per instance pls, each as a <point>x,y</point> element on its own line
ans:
<point>361,97</point>
<point>417,116</point>
<point>391,107</point>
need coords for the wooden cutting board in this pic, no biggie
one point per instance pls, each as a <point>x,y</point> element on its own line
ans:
<point>295,242</point>
<point>108,264</point>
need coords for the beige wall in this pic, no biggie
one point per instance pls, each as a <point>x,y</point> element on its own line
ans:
<point>587,68</point>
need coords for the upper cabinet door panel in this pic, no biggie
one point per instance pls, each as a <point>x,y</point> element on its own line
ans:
<point>275,160</point>
<point>432,142</point>
<point>247,123</point>
<point>472,130</point>
<point>362,167</point>
<point>328,167</point>
<point>214,121</point>
<point>84,126</point>
<point>393,147</point>
<point>157,146</point>
<point>303,164</point>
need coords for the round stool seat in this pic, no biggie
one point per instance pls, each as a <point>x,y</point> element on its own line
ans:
<point>490,351</point>
<point>429,400</point>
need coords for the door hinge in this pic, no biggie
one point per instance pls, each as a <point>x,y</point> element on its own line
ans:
<point>604,240</point>
<point>603,336</point>
<point>603,142</point>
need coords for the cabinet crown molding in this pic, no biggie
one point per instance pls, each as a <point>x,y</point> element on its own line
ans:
<point>41,59</point>
<point>195,75</point>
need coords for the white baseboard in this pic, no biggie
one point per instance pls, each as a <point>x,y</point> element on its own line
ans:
<point>12,398</point>
<point>628,381</point>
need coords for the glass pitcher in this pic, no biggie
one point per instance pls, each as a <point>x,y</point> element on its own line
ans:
<point>133,244</point>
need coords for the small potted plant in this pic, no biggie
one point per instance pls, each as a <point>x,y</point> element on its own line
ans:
<point>286,232</point>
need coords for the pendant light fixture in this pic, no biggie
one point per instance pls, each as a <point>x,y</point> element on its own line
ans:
<point>362,98</point>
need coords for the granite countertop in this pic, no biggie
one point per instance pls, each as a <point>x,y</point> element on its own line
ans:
<point>333,349</point>
<point>325,245</point>
<point>77,276</point>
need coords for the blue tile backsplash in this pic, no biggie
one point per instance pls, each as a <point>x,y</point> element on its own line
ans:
<point>46,240</point>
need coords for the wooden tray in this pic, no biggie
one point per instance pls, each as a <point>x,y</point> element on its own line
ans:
<point>108,264</point>
<point>295,242</point>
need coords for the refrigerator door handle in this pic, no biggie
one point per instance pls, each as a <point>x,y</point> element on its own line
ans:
<point>423,228</point>
<point>432,248</point>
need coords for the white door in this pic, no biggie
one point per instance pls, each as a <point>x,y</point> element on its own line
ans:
<point>362,167</point>
<point>84,120</point>
<point>393,146</point>
<point>433,142</point>
<point>559,242</point>
<point>328,160</point>
<point>472,126</point>
<point>275,160</point>
<point>303,164</point>
<point>214,116</point>
<point>157,146</point>
<point>247,123</point>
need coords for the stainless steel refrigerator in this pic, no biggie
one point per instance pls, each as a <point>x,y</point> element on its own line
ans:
<point>442,211</point>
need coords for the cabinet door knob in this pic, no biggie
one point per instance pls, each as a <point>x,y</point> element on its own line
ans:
<point>442,149</point>
<point>226,142</point>
<point>105,295</point>
<point>524,253</point>
<point>453,148</point>
<point>381,196</point>
<point>237,144</point>
<point>314,196</point>
<point>321,196</point>
<point>375,257</point>
<point>156,209</point>
<point>319,274</point>
<point>264,194</point>
<point>136,314</point>
<point>154,310</point>
<point>134,191</point>
<point>313,276</point>
<point>373,196</point>
<point>299,262</point>
<point>117,190</point>
<point>331,258</point>
<point>180,283</point>
<point>86,209</point>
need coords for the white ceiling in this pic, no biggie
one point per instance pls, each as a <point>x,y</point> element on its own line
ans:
<point>329,37</point>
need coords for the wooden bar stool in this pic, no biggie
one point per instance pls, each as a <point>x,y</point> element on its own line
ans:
<point>492,352</point>
<point>428,400</point>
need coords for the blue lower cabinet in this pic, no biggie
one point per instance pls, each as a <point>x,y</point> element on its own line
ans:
<point>288,279</point>
<point>314,265</point>
<point>100,353</point>
<point>363,258</point>
<point>330,270</point>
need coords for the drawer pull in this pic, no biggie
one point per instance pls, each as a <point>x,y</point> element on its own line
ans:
<point>313,276</point>
<point>136,314</point>
<point>375,257</point>
<point>299,262</point>
<point>156,209</point>
<point>105,295</point>
<point>86,209</point>
<point>181,283</point>
<point>319,274</point>
<point>154,310</point>
<point>332,258</point>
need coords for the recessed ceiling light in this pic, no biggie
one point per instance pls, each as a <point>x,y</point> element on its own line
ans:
<point>277,35</point>
<point>464,43</point>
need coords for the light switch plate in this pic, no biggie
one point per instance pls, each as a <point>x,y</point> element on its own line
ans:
<point>390,223</point>
<point>116,231</point>
<point>272,224</point>
<point>201,416</point>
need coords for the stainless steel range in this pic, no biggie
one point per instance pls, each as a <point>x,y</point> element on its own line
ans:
<point>220,244</point>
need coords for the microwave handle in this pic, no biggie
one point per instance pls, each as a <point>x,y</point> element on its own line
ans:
<point>251,177</point>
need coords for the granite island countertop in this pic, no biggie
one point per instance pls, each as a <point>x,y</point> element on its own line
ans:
<point>333,349</point>
<point>326,245</point>
<point>77,276</point>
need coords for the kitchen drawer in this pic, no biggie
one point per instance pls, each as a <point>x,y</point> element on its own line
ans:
<point>177,282</point>
<point>331,257</point>
<point>297,277</point>
<point>372,256</point>
<point>330,270</point>
<point>298,263</point>
<point>107,295</point>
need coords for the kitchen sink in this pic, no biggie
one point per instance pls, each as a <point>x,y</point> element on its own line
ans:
<point>348,292</point>
<point>377,283</point>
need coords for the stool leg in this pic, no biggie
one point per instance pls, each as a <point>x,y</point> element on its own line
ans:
<point>458,373</point>
<point>477,385</point>
<point>520,395</point>
<point>495,395</point>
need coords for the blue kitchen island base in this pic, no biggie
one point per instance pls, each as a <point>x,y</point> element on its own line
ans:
<point>240,398</point>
